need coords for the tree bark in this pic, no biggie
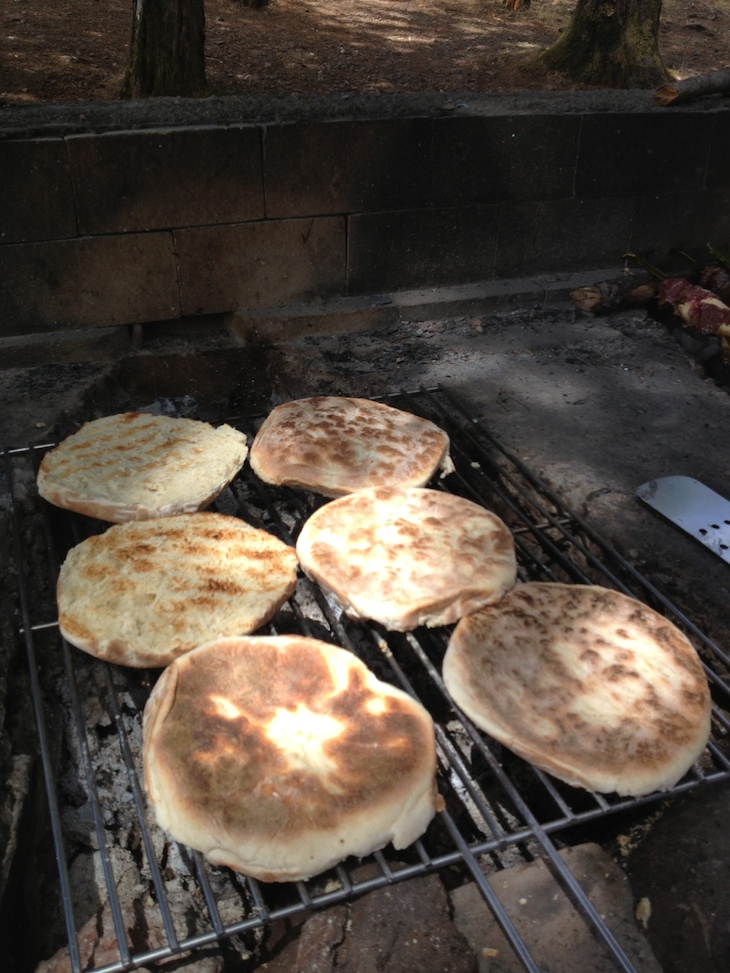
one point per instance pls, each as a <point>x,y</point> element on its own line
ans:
<point>612,44</point>
<point>678,92</point>
<point>167,50</point>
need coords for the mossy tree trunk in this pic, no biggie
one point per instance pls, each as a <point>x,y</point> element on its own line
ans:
<point>167,51</point>
<point>611,43</point>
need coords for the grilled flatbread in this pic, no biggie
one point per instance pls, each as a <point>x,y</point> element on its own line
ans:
<point>408,557</point>
<point>334,445</point>
<point>135,466</point>
<point>586,683</point>
<point>281,756</point>
<point>146,591</point>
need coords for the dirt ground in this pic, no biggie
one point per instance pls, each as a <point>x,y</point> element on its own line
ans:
<point>76,50</point>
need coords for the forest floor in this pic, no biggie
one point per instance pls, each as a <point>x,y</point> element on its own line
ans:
<point>77,50</point>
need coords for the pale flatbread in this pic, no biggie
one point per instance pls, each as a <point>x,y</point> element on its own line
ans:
<point>588,684</point>
<point>408,557</point>
<point>281,756</point>
<point>134,466</point>
<point>334,445</point>
<point>146,591</point>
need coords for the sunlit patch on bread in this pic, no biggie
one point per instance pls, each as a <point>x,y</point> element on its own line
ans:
<point>224,707</point>
<point>302,735</point>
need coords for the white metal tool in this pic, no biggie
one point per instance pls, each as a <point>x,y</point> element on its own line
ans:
<point>693,507</point>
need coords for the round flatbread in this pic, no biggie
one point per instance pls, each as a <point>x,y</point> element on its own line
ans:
<point>281,756</point>
<point>146,591</point>
<point>586,683</point>
<point>334,445</point>
<point>135,466</point>
<point>408,557</point>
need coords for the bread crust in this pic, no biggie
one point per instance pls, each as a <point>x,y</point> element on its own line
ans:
<point>586,683</point>
<point>406,557</point>
<point>144,592</point>
<point>335,445</point>
<point>280,756</point>
<point>134,466</point>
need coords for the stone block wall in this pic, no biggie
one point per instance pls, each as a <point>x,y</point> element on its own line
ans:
<point>148,212</point>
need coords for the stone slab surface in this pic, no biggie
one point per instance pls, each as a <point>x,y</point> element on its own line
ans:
<point>553,930</point>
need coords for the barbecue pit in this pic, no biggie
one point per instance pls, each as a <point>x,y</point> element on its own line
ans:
<point>499,811</point>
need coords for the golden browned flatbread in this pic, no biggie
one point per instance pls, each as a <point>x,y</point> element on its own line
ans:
<point>408,557</point>
<point>334,445</point>
<point>134,466</point>
<point>146,591</point>
<point>586,683</point>
<point>281,756</point>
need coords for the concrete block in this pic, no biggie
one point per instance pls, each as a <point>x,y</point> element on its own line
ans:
<point>346,167</point>
<point>65,347</point>
<point>653,226</point>
<point>702,218</point>
<point>37,203</point>
<point>467,300</point>
<point>127,181</point>
<point>555,934</point>
<point>642,153</point>
<point>562,235</point>
<point>428,247</point>
<point>97,282</point>
<point>260,264</point>
<point>681,221</point>
<point>504,158</point>
<point>339,316</point>
<point>718,170</point>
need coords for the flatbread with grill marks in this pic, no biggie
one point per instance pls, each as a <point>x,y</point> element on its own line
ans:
<point>146,591</point>
<point>281,756</point>
<point>134,466</point>
<point>586,683</point>
<point>408,557</point>
<point>334,445</point>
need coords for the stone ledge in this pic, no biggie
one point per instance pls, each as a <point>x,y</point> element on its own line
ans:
<point>350,314</point>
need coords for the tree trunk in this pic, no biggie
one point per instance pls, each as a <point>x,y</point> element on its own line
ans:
<point>611,43</point>
<point>167,51</point>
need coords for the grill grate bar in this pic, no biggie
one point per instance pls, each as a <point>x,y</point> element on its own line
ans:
<point>496,805</point>
<point>41,725</point>
<point>128,760</point>
<point>490,897</point>
<point>136,790</point>
<point>95,806</point>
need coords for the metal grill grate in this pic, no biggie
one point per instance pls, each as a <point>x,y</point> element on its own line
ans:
<point>498,808</point>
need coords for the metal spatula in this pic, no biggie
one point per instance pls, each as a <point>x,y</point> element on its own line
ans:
<point>693,507</point>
